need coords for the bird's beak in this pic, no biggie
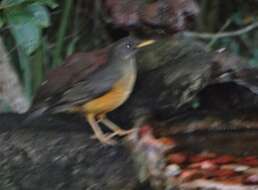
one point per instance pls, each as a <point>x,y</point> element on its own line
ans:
<point>145,43</point>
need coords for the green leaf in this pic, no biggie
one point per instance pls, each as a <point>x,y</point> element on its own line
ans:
<point>1,22</point>
<point>9,3</point>
<point>51,3</point>
<point>24,29</point>
<point>37,67</point>
<point>40,13</point>
<point>71,46</point>
<point>26,72</point>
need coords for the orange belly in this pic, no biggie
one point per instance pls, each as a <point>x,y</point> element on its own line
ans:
<point>113,99</point>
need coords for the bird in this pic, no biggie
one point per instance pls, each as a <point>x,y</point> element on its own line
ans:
<point>94,84</point>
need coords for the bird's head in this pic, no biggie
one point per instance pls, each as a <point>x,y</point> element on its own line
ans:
<point>127,47</point>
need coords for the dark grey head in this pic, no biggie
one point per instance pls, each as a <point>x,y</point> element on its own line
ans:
<point>127,47</point>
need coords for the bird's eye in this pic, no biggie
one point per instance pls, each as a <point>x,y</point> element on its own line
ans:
<point>128,46</point>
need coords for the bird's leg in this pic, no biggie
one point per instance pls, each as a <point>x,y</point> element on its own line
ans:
<point>100,117</point>
<point>112,126</point>
<point>98,132</point>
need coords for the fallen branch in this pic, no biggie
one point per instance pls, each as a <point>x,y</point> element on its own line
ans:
<point>222,35</point>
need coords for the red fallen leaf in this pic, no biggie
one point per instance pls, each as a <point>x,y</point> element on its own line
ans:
<point>225,159</point>
<point>205,165</point>
<point>195,166</point>
<point>167,141</point>
<point>249,161</point>
<point>251,180</point>
<point>189,175</point>
<point>201,157</point>
<point>224,173</point>
<point>177,158</point>
<point>250,158</point>
<point>198,158</point>
<point>231,180</point>
<point>145,130</point>
<point>252,163</point>
<point>208,165</point>
<point>236,167</point>
<point>209,174</point>
<point>218,173</point>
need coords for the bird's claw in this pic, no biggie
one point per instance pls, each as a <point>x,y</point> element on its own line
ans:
<point>106,139</point>
<point>122,132</point>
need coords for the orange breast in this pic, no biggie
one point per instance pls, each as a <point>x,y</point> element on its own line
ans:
<point>114,98</point>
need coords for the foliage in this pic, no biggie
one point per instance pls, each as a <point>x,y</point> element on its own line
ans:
<point>223,16</point>
<point>26,20</point>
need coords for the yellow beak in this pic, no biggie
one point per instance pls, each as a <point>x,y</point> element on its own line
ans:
<point>145,43</point>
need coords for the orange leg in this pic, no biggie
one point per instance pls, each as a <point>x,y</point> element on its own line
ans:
<point>105,139</point>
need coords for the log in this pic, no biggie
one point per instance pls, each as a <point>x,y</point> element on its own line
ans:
<point>54,153</point>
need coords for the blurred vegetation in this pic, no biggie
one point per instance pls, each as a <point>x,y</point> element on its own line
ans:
<point>39,34</point>
<point>222,16</point>
<point>22,24</point>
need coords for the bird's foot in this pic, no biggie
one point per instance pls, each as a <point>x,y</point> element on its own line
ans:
<point>106,138</point>
<point>115,128</point>
<point>122,132</point>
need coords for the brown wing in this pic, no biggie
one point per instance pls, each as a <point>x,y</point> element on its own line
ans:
<point>94,85</point>
<point>73,81</point>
